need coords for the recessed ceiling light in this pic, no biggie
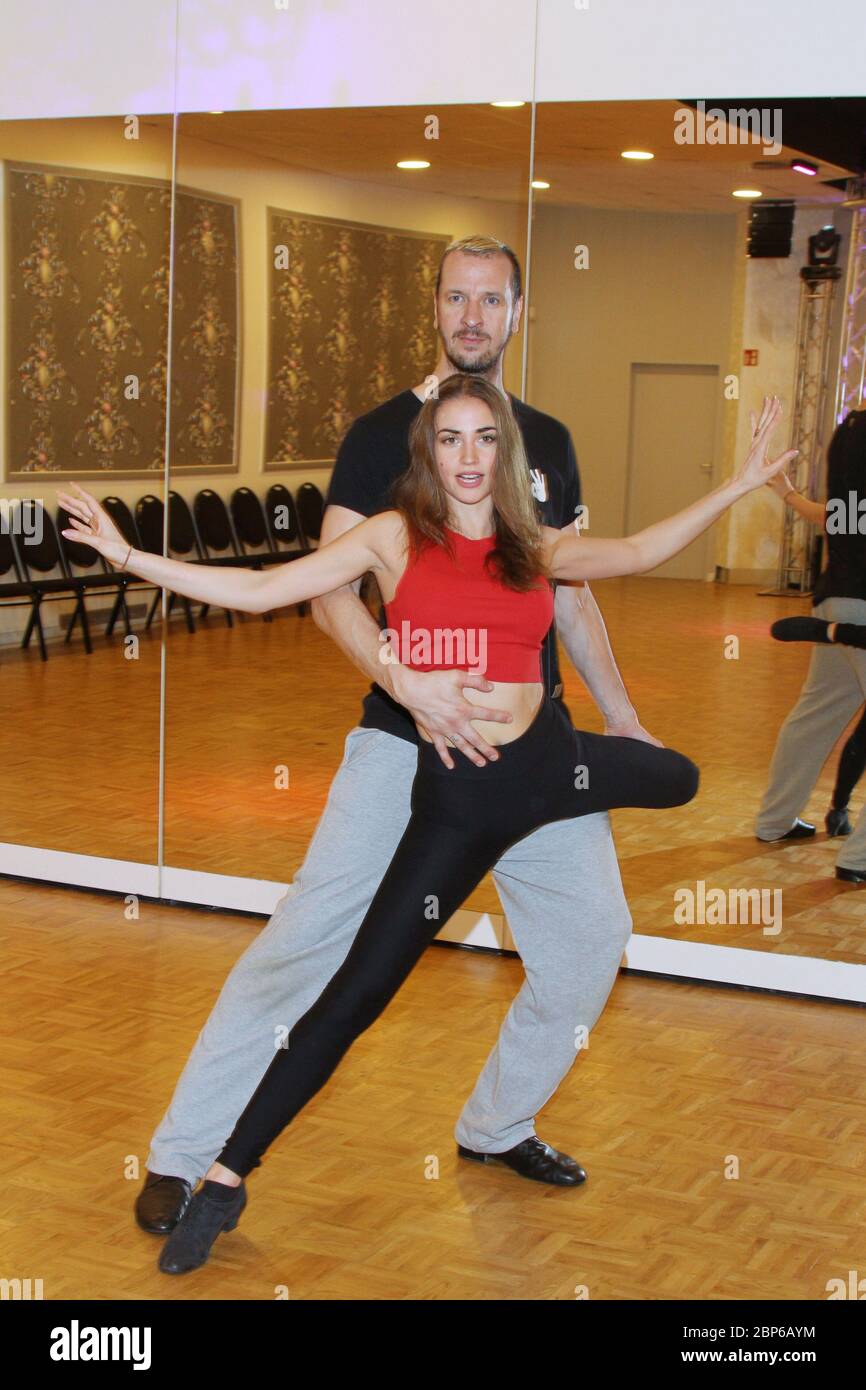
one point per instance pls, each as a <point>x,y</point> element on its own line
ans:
<point>540,183</point>
<point>413,164</point>
<point>802,166</point>
<point>637,154</point>
<point>748,193</point>
<point>216,113</point>
<point>508,103</point>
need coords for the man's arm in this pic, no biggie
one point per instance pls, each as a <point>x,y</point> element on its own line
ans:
<point>434,699</point>
<point>581,629</point>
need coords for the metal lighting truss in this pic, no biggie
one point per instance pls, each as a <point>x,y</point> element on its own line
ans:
<point>849,389</point>
<point>797,551</point>
<point>817,289</point>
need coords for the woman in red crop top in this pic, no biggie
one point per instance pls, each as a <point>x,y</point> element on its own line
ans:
<point>465,570</point>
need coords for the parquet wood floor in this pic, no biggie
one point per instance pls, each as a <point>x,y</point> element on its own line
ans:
<point>98,1015</point>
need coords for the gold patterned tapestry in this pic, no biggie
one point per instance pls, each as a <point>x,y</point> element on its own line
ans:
<point>351,323</point>
<point>88,301</point>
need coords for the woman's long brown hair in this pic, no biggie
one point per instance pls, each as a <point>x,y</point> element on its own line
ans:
<point>517,558</point>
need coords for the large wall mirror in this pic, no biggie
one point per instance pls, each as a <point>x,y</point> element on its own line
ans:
<point>196,306</point>
<point>86,295</point>
<point>658,322</point>
<point>305,271</point>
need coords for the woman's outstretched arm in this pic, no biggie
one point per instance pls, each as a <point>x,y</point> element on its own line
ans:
<point>247,591</point>
<point>573,556</point>
<point>816,512</point>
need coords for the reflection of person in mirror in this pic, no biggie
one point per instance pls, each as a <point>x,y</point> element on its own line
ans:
<point>461,545</point>
<point>835,687</point>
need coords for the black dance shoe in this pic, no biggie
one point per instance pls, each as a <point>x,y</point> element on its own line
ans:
<point>851,875</point>
<point>837,822</point>
<point>534,1159</point>
<point>162,1202</point>
<point>190,1242</point>
<point>800,830</point>
<point>800,630</point>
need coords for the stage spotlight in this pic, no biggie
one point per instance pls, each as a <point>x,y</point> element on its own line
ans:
<point>824,246</point>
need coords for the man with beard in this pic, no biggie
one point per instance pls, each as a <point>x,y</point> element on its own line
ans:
<point>560,886</point>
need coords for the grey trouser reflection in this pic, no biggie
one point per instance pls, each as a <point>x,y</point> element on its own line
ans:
<point>834,690</point>
<point>560,888</point>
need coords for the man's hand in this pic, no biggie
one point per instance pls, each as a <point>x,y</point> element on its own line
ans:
<point>631,728</point>
<point>436,702</point>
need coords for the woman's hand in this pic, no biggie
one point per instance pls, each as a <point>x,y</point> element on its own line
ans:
<point>91,525</point>
<point>758,467</point>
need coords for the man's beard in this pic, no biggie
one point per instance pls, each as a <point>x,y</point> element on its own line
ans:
<point>474,366</point>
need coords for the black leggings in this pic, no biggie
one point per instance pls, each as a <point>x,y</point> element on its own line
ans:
<point>462,821</point>
<point>852,761</point>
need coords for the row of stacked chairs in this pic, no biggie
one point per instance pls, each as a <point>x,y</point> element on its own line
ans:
<point>247,532</point>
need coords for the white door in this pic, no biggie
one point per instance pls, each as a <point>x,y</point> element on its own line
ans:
<point>671,447</point>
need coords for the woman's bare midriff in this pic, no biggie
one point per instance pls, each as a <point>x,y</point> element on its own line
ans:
<point>520,699</point>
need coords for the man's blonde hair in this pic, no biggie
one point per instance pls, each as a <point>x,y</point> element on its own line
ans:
<point>480,245</point>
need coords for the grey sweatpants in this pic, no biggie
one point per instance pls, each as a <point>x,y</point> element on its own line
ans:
<point>835,689</point>
<point>563,897</point>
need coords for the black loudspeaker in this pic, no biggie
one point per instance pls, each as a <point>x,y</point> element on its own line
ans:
<point>770,228</point>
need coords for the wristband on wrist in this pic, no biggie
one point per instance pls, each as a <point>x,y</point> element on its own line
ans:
<point>125,558</point>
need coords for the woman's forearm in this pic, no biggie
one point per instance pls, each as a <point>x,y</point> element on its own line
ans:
<point>227,587</point>
<point>667,538</point>
<point>812,511</point>
<point>258,591</point>
<point>584,557</point>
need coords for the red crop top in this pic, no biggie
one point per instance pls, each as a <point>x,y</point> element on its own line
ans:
<point>448,614</point>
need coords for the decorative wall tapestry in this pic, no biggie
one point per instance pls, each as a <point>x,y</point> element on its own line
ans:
<point>351,323</point>
<point>88,297</point>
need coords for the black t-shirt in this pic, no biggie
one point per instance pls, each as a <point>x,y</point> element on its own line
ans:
<point>845,574</point>
<point>375,452</point>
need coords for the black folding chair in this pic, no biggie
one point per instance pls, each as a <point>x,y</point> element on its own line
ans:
<point>96,574</point>
<point>215,530</point>
<point>125,523</point>
<point>37,547</point>
<point>150,518</point>
<point>185,543</point>
<point>284,527</point>
<point>15,592</point>
<point>251,527</point>
<point>311,509</point>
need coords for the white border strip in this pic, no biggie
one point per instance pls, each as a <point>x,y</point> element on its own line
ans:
<point>79,870</point>
<point>658,955</point>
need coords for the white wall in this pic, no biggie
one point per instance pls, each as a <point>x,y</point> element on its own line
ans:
<point>659,288</point>
<point>95,57</point>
